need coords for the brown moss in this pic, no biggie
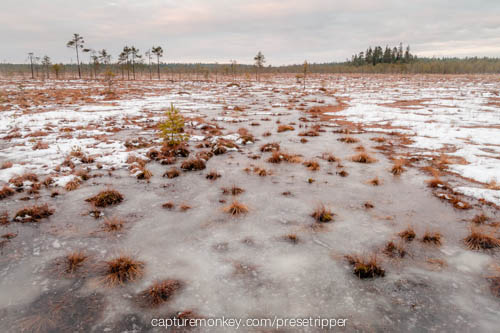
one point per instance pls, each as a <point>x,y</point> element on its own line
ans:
<point>121,270</point>
<point>193,164</point>
<point>236,208</point>
<point>106,198</point>
<point>479,240</point>
<point>159,292</point>
<point>33,214</point>
<point>322,214</point>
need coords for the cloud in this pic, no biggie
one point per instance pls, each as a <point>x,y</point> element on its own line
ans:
<point>219,30</point>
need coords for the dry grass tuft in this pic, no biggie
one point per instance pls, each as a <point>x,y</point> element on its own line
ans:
<point>113,224</point>
<point>397,167</point>
<point>480,219</point>
<point>74,261</point>
<point>278,157</point>
<point>269,147</point>
<point>6,165</point>
<point>394,250</point>
<point>348,139</point>
<point>184,207</point>
<point>213,175</point>
<point>236,208</point>
<point>321,214</point>
<point>363,158</point>
<point>121,270</point>
<point>432,238</point>
<point>4,218</point>
<point>168,205</point>
<point>144,174</point>
<point>106,198</point>
<point>329,157</point>
<point>479,240</point>
<point>233,190</point>
<point>292,238</point>
<point>436,183</point>
<point>408,234</point>
<point>33,214</point>
<point>159,292</point>
<point>375,181</point>
<point>172,173</point>
<point>311,132</point>
<point>72,185</point>
<point>193,164</point>
<point>312,165</point>
<point>366,268</point>
<point>6,191</point>
<point>284,128</point>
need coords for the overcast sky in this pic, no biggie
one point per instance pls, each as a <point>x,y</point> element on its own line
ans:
<point>286,31</point>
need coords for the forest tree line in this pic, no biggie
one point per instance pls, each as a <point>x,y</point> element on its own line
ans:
<point>132,64</point>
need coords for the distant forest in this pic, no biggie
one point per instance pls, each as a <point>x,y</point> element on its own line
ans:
<point>391,60</point>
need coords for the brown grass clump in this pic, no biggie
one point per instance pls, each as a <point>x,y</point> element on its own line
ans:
<point>363,158</point>
<point>144,174</point>
<point>6,165</point>
<point>375,181</point>
<point>72,185</point>
<point>184,207</point>
<point>168,205</point>
<point>493,185</point>
<point>348,139</point>
<point>292,238</point>
<point>312,165</point>
<point>394,250</point>
<point>19,180</point>
<point>269,147</point>
<point>284,128</point>
<point>261,172</point>
<point>233,190</point>
<point>397,167</point>
<point>343,173</point>
<point>159,292</point>
<point>193,164</point>
<point>408,234</point>
<point>435,183</point>
<point>478,240</point>
<point>121,270</point>
<point>33,214</point>
<point>329,157</point>
<point>432,238</point>
<point>366,268</point>
<point>6,191</point>
<point>321,214</point>
<point>311,132</point>
<point>106,198</point>
<point>112,224</point>
<point>213,175</point>
<point>236,208</point>
<point>172,173</point>
<point>480,219</point>
<point>4,218</point>
<point>74,261</point>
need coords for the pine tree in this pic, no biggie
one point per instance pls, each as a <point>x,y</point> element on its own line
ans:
<point>173,127</point>
<point>77,43</point>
